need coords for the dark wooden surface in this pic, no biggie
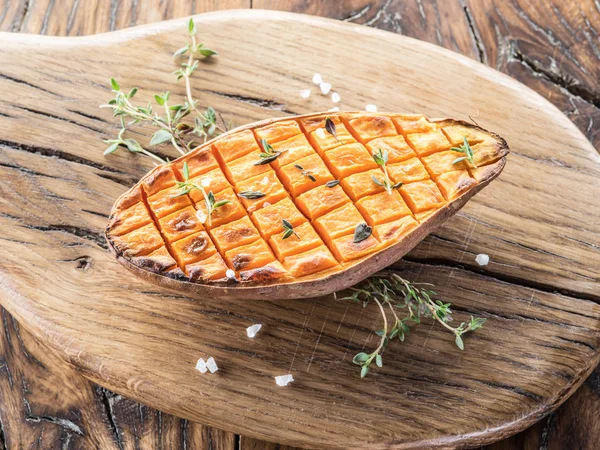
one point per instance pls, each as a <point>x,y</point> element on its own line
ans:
<point>552,47</point>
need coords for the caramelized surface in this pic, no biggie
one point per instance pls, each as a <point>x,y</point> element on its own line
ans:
<point>163,232</point>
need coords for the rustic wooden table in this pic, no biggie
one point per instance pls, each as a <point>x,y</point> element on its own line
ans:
<point>553,47</point>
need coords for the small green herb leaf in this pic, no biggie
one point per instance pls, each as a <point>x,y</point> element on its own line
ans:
<point>114,85</point>
<point>191,27</point>
<point>362,232</point>
<point>207,52</point>
<point>160,137</point>
<point>459,342</point>
<point>288,229</point>
<point>251,195</point>
<point>111,148</point>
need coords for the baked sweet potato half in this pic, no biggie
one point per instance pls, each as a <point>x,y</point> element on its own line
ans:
<point>301,206</point>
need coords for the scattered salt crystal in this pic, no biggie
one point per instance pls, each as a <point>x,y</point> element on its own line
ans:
<point>335,97</point>
<point>251,208</point>
<point>265,204</point>
<point>284,380</point>
<point>320,133</point>
<point>305,93</point>
<point>230,273</point>
<point>205,182</point>
<point>325,88</point>
<point>317,79</point>
<point>201,215</point>
<point>265,181</point>
<point>201,366</point>
<point>334,109</point>
<point>371,108</point>
<point>252,330</point>
<point>482,259</point>
<point>211,365</point>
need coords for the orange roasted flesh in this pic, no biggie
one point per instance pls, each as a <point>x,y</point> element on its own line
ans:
<point>294,217</point>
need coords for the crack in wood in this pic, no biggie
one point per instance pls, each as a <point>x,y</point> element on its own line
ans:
<point>87,115</point>
<point>107,400</point>
<point>26,83</point>
<point>84,233</point>
<point>255,101</point>
<point>18,24</point>
<point>63,423</point>
<point>63,119</point>
<point>474,32</point>
<point>555,76</point>
<point>30,172</point>
<point>50,152</point>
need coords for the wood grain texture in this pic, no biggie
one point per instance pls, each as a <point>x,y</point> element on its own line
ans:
<point>49,405</point>
<point>552,336</point>
<point>568,427</point>
<point>551,45</point>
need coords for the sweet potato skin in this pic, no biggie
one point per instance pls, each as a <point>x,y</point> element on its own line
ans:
<point>272,283</point>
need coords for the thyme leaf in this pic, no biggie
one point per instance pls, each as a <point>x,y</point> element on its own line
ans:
<point>251,195</point>
<point>330,127</point>
<point>361,232</point>
<point>288,229</point>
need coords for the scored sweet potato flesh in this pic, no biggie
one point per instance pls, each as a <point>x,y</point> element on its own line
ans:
<point>322,184</point>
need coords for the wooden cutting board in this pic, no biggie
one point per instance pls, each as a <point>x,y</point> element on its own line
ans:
<point>539,222</point>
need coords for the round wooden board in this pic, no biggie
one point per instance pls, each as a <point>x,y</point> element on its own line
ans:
<point>539,222</point>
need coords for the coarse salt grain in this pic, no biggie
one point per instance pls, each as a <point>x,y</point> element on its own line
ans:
<point>321,133</point>
<point>211,365</point>
<point>325,88</point>
<point>371,108</point>
<point>201,215</point>
<point>335,97</point>
<point>317,79</point>
<point>230,273</point>
<point>265,204</point>
<point>253,329</point>
<point>284,380</point>
<point>305,93</point>
<point>205,182</point>
<point>482,259</point>
<point>201,366</point>
<point>334,109</point>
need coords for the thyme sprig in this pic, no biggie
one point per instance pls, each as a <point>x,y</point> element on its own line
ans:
<point>381,158</point>
<point>206,123</point>
<point>307,173</point>
<point>467,150</point>
<point>268,154</point>
<point>186,186</point>
<point>408,303</point>
<point>288,229</point>
<point>170,125</point>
